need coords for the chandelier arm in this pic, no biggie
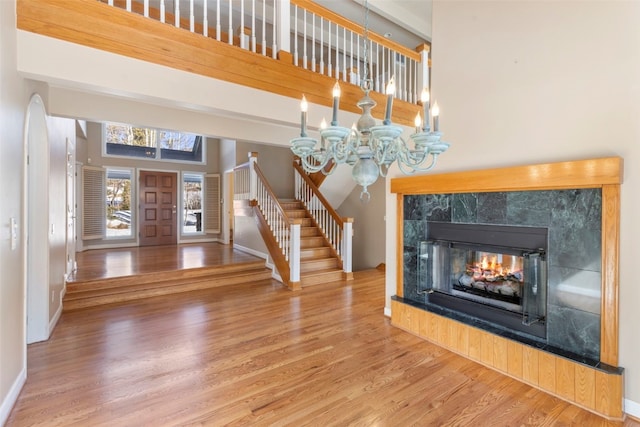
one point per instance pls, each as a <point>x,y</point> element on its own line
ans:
<point>310,167</point>
<point>434,160</point>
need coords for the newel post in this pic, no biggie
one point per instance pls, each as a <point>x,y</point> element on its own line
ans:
<point>282,17</point>
<point>423,69</point>
<point>347,248</point>
<point>253,177</point>
<point>294,254</point>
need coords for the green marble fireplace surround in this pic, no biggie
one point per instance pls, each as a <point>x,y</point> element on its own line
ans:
<point>573,219</point>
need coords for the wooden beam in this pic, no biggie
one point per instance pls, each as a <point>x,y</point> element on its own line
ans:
<point>592,173</point>
<point>609,309</point>
<point>399,245</point>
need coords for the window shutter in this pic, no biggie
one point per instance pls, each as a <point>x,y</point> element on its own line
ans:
<point>212,204</point>
<point>94,196</point>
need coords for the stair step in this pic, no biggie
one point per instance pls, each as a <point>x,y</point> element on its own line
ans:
<point>312,242</point>
<point>319,252</point>
<point>307,222</point>
<point>296,213</point>
<point>309,231</point>
<point>291,204</point>
<point>315,264</point>
<point>155,277</point>
<point>127,290</point>
<point>319,277</point>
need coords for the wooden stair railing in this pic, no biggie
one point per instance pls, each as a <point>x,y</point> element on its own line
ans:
<point>280,233</point>
<point>337,230</point>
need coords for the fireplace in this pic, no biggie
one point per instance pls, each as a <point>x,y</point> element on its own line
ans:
<point>491,272</point>
<point>578,204</point>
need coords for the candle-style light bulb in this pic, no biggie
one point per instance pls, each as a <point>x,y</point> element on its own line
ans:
<point>435,111</point>
<point>424,98</point>
<point>303,116</point>
<point>336,102</point>
<point>323,124</point>
<point>418,122</point>
<point>391,91</point>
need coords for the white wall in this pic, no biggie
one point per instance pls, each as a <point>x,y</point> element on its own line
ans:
<point>59,130</point>
<point>12,293</point>
<point>532,82</point>
<point>276,163</point>
<point>368,225</point>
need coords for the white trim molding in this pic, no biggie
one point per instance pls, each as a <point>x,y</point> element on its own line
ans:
<point>12,396</point>
<point>632,408</point>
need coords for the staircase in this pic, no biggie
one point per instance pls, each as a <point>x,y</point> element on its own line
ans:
<point>118,289</point>
<point>318,262</point>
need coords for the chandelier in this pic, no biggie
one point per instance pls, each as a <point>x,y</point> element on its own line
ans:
<point>369,148</point>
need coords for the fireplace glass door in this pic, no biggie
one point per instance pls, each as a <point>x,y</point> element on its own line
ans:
<point>508,280</point>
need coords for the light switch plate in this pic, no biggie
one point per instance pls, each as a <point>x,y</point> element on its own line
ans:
<point>13,230</point>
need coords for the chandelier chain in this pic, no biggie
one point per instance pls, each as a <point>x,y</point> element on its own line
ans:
<point>365,42</point>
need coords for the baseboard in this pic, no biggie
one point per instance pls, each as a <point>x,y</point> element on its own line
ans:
<point>12,397</point>
<point>200,240</point>
<point>110,246</point>
<point>274,273</point>
<point>387,311</point>
<point>632,408</point>
<point>54,320</point>
<point>251,251</point>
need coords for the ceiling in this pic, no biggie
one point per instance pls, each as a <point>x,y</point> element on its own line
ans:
<point>408,21</point>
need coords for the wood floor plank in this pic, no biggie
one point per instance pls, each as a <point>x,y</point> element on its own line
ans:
<point>259,354</point>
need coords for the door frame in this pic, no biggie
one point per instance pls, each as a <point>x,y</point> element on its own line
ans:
<point>35,218</point>
<point>138,172</point>
<point>227,207</point>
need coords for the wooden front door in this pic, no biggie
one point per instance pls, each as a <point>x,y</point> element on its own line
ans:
<point>158,208</point>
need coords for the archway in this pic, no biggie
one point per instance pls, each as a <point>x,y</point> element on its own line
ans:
<point>36,208</point>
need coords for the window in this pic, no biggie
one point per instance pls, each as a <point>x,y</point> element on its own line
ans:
<point>192,186</point>
<point>93,197</point>
<point>118,203</point>
<point>154,144</point>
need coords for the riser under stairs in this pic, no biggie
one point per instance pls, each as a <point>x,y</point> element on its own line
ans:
<point>128,288</point>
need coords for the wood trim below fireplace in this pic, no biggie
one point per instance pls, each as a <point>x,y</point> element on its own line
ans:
<point>603,173</point>
<point>596,390</point>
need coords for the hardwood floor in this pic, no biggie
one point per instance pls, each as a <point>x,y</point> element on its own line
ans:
<point>259,354</point>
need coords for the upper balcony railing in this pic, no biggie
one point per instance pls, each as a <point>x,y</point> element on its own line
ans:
<point>254,43</point>
<point>314,37</point>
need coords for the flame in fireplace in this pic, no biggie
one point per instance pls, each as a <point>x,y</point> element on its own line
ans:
<point>489,268</point>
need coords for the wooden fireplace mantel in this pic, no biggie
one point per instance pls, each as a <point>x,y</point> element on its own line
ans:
<point>599,392</point>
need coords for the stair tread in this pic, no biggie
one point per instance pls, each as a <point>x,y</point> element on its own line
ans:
<point>239,270</point>
<point>131,292</point>
<point>90,292</point>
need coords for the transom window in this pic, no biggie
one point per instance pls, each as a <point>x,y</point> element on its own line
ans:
<point>124,140</point>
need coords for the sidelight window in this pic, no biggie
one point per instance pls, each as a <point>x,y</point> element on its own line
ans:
<point>192,202</point>
<point>119,218</point>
